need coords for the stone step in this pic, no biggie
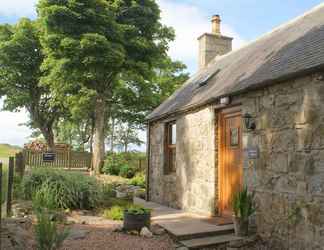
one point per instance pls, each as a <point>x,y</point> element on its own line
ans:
<point>187,229</point>
<point>211,241</point>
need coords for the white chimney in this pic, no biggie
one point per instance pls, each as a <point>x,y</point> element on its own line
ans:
<point>213,44</point>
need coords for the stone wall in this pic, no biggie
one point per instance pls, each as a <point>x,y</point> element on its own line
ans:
<point>162,187</point>
<point>193,186</point>
<point>288,178</point>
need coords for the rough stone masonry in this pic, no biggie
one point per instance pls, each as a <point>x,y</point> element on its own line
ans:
<point>287,178</point>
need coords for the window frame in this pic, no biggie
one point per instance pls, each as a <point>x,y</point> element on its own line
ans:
<point>170,148</point>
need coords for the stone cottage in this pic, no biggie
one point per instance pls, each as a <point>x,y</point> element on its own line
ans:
<point>251,117</point>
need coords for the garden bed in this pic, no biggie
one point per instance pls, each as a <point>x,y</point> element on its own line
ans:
<point>83,208</point>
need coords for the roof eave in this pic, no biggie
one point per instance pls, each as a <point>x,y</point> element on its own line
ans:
<point>253,87</point>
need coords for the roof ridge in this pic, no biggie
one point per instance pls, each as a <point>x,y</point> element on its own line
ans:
<point>265,35</point>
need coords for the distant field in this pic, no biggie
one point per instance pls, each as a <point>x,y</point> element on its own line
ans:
<point>7,150</point>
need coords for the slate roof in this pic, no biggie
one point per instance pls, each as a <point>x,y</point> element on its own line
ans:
<point>291,49</point>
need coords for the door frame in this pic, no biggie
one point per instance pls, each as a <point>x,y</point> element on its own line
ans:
<point>234,110</point>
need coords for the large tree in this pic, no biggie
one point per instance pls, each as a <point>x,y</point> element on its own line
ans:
<point>20,59</point>
<point>89,44</point>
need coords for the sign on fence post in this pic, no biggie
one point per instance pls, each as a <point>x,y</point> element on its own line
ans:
<point>49,157</point>
<point>10,184</point>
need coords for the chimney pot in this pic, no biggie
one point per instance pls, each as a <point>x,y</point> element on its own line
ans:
<point>216,24</point>
<point>213,44</point>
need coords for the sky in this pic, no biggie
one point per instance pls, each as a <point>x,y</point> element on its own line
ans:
<point>244,20</point>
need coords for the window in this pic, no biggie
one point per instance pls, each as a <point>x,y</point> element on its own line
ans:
<point>170,147</point>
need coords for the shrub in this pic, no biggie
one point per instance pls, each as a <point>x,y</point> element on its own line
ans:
<point>108,190</point>
<point>69,190</point>
<point>44,198</point>
<point>126,171</point>
<point>123,164</point>
<point>113,164</point>
<point>47,235</point>
<point>116,207</point>
<point>138,180</point>
<point>243,205</point>
<point>114,213</point>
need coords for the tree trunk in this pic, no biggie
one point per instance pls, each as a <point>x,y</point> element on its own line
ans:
<point>99,135</point>
<point>48,134</point>
<point>112,135</point>
<point>91,136</point>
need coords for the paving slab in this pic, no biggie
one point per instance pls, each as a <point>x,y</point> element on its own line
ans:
<point>184,225</point>
<point>208,241</point>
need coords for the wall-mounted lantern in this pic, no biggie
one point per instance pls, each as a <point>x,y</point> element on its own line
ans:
<point>225,100</point>
<point>249,121</point>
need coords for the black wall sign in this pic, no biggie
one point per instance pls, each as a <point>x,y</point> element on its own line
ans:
<point>253,153</point>
<point>49,157</point>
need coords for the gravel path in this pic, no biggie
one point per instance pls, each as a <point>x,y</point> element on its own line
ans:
<point>103,237</point>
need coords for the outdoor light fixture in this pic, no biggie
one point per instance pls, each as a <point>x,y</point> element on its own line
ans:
<point>225,100</point>
<point>249,121</point>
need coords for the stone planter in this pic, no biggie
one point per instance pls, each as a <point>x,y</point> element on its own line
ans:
<point>241,226</point>
<point>136,221</point>
<point>120,194</point>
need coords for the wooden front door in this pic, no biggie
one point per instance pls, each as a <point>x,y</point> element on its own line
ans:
<point>230,158</point>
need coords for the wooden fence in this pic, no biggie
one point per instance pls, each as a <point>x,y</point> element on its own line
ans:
<point>58,159</point>
<point>6,187</point>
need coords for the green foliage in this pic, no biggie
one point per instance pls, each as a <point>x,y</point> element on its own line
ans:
<point>17,187</point>
<point>114,213</point>
<point>48,236</point>
<point>138,180</point>
<point>68,190</point>
<point>44,198</point>
<point>123,164</point>
<point>108,191</point>
<point>113,164</point>
<point>115,208</point>
<point>136,210</point>
<point>295,215</point>
<point>122,202</point>
<point>20,59</point>
<point>126,171</point>
<point>243,204</point>
<point>90,45</point>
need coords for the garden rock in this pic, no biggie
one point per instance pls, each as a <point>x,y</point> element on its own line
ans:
<point>14,234</point>
<point>157,230</point>
<point>145,232</point>
<point>77,234</point>
<point>118,229</point>
<point>125,190</point>
<point>21,208</point>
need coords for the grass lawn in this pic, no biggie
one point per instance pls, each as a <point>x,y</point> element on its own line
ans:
<point>7,150</point>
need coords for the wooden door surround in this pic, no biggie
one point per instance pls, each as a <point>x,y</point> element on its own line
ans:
<point>230,157</point>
